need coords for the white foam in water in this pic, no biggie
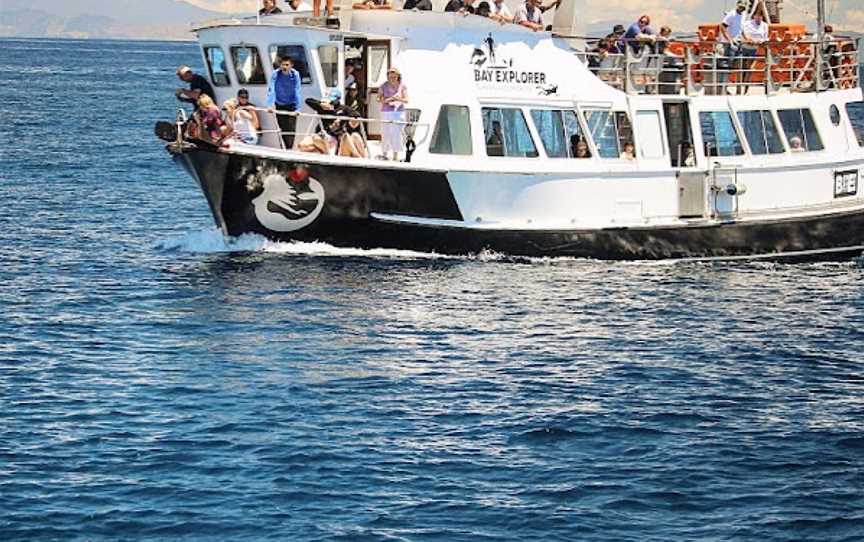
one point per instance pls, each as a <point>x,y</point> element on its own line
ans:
<point>212,241</point>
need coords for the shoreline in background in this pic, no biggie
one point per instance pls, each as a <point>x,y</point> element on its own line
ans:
<point>101,38</point>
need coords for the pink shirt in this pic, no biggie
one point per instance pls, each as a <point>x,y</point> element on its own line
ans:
<point>388,91</point>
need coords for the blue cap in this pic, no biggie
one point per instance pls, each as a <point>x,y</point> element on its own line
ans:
<point>334,95</point>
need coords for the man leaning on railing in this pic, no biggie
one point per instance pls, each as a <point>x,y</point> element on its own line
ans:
<point>284,95</point>
<point>754,34</point>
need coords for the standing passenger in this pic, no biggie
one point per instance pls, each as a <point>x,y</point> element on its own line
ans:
<point>284,94</point>
<point>730,35</point>
<point>393,96</point>
<point>197,86</point>
<point>500,12</point>
<point>529,15</point>
<point>640,33</point>
<point>753,34</point>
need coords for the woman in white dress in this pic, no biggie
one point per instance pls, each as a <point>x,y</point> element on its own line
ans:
<point>393,95</point>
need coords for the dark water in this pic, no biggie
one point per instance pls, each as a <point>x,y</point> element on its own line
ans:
<point>156,384</point>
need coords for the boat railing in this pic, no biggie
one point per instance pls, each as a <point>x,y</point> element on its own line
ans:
<point>413,132</point>
<point>695,67</point>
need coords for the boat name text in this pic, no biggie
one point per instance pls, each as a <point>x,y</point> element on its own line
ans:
<point>509,76</point>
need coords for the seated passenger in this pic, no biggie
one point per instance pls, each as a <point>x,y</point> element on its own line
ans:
<point>796,144</point>
<point>483,9</point>
<point>459,6</point>
<point>579,147</point>
<point>495,141</point>
<point>629,152</point>
<point>418,5</point>
<point>337,136</point>
<point>209,118</point>
<point>242,118</point>
<point>354,101</point>
<point>373,4</point>
<point>269,8</point>
<point>530,15</point>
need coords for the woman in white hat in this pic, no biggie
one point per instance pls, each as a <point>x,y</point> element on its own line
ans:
<point>393,95</point>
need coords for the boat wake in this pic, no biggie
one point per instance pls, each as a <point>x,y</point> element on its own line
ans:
<point>212,241</point>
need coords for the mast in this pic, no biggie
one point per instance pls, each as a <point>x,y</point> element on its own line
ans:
<point>820,33</point>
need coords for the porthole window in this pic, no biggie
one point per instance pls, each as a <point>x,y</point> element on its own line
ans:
<point>835,115</point>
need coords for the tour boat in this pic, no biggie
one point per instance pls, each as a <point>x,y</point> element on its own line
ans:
<point>729,159</point>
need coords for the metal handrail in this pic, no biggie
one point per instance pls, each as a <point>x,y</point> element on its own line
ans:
<point>704,68</point>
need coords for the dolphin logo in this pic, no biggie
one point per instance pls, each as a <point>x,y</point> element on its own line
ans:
<point>284,206</point>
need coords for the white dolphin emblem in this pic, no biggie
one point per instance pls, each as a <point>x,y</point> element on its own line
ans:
<point>284,207</point>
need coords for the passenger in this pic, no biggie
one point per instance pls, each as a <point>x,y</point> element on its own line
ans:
<point>640,33</point>
<point>581,150</point>
<point>796,144</point>
<point>617,39</point>
<point>463,7</point>
<point>663,40</point>
<point>393,95</point>
<point>354,101</point>
<point>349,73</point>
<point>529,15</point>
<point>284,94</point>
<point>338,135</point>
<point>629,152</point>
<point>831,55</point>
<point>197,86</point>
<point>730,36</point>
<point>688,154</point>
<point>499,11</point>
<point>483,9</point>
<point>754,33</point>
<point>418,5</point>
<point>373,4</point>
<point>210,118</point>
<point>299,5</point>
<point>550,5</point>
<point>243,118</point>
<point>495,141</point>
<point>597,55</point>
<point>269,8</point>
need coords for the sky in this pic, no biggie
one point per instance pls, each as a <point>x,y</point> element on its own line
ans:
<point>681,15</point>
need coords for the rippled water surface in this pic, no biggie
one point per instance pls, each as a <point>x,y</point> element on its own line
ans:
<point>158,383</point>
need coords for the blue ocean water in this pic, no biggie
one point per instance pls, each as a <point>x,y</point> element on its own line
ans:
<point>158,383</point>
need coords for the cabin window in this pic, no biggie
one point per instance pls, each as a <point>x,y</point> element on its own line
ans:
<point>761,132</point>
<point>328,56</point>
<point>217,66</point>
<point>247,65</point>
<point>506,132</point>
<point>611,131</point>
<point>855,110</point>
<point>297,54</point>
<point>650,134</point>
<point>561,133</point>
<point>452,134</point>
<point>719,135</point>
<point>800,130</point>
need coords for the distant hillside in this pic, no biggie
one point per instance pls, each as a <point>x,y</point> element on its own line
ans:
<point>100,18</point>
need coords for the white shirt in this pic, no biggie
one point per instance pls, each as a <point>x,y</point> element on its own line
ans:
<point>522,15</point>
<point>500,9</point>
<point>755,31</point>
<point>734,21</point>
<point>302,6</point>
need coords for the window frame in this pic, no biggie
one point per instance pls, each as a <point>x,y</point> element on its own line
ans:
<point>241,45</point>
<point>470,132</point>
<point>309,70</point>
<point>614,115</point>
<point>804,127</point>
<point>527,125</point>
<point>562,112</point>
<point>732,121</point>
<point>323,72</point>
<point>640,150</point>
<point>857,127</point>
<point>777,129</point>
<point>204,48</point>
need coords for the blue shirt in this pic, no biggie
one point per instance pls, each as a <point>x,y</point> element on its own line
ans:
<point>284,89</point>
<point>634,31</point>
